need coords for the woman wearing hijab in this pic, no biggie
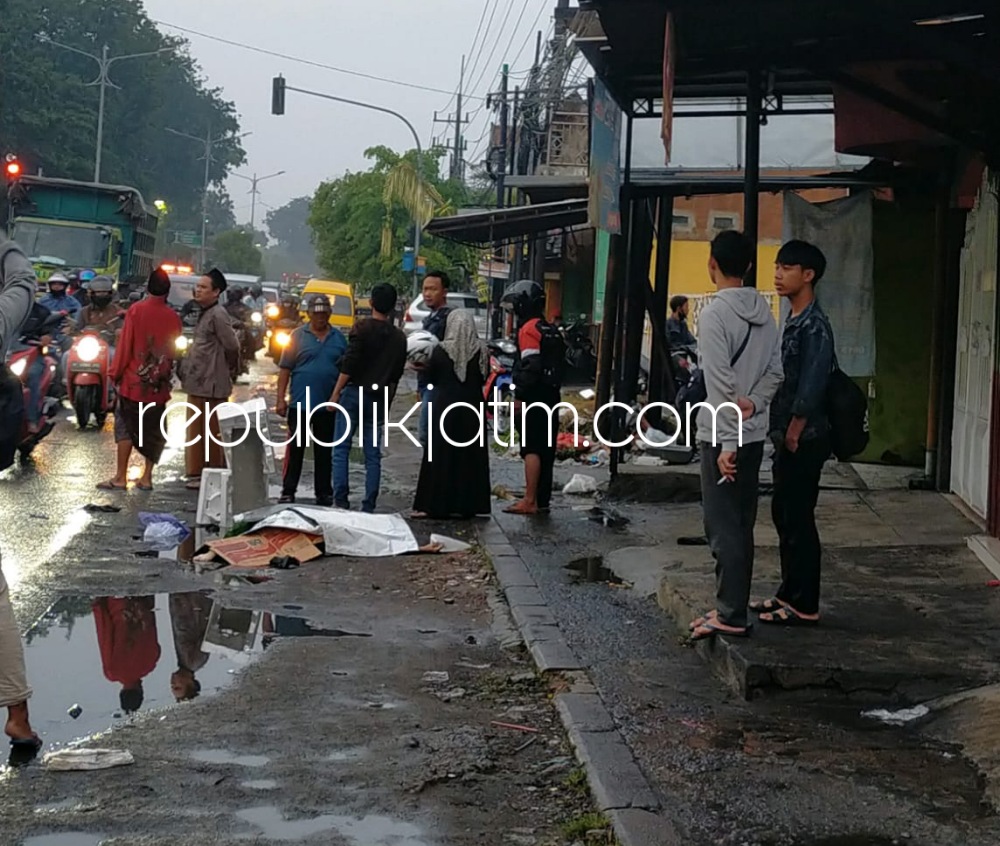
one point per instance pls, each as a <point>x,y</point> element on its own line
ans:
<point>455,480</point>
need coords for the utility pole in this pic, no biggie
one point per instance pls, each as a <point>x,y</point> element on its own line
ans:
<point>104,63</point>
<point>209,143</point>
<point>254,180</point>
<point>501,169</point>
<point>456,168</point>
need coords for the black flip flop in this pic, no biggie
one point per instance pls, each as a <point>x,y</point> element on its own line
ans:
<point>785,616</point>
<point>767,606</point>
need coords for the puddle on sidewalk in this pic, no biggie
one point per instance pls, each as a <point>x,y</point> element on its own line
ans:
<point>224,756</point>
<point>65,838</point>
<point>260,784</point>
<point>591,568</point>
<point>104,659</point>
<point>371,830</point>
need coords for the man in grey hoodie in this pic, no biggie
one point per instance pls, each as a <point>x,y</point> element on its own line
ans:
<point>17,295</point>
<point>741,359</point>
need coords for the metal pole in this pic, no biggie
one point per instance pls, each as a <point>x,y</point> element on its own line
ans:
<point>103,82</point>
<point>751,191</point>
<point>459,161</point>
<point>420,160</point>
<point>495,322</point>
<point>204,196</point>
<point>253,204</point>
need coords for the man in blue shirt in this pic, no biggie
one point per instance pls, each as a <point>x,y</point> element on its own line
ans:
<point>312,362</point>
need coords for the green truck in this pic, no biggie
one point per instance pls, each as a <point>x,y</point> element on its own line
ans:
<point>64,225</point>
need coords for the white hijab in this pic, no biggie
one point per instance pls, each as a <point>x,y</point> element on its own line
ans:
<point>461,342</point>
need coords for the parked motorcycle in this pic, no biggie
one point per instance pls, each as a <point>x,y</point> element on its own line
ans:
<point>580,355</point>
<point>28,353</point>
<point>502,354</point>
<point>87,384</point>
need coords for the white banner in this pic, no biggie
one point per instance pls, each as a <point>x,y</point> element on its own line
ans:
<point>842,229</point>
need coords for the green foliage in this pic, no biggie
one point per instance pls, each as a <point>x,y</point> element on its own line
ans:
<point>48,114</point>
<point>234,252</point>
<point>577,828</point>
<point>348,215</point>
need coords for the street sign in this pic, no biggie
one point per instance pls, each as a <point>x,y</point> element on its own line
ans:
<point>605,160</point>
<point>187,238</point>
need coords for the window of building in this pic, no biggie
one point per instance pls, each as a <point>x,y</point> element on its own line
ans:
<point>722,222</point>
<point>682,220</point>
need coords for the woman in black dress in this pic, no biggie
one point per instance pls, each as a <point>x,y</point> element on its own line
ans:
<point>455,480</point>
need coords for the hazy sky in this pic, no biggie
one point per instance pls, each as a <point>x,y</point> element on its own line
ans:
<point>418,42</point>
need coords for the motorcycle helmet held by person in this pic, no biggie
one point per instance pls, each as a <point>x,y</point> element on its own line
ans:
<point>526,298</point>
<point>419,347</point>
<point>101,292</point>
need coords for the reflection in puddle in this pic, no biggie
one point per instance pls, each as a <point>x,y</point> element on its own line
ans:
<point>260,784</point>
<point>223,756</point>
<point>65,838</point>
<point>372,830</point>
<point>112,656</point>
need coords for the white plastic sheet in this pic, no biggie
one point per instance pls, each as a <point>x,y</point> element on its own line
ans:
<point>348,532</point>
<point>842,229</point>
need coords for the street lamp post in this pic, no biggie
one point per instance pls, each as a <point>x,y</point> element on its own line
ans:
<point>254,180</point>
<point>104,63</point>
<point>416,138</point>
<point>209,143</point>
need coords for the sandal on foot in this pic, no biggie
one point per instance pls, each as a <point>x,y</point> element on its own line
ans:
<point>518,508</point>
<point>700,621</point>
<point>711,628</point>
<point>767,606</point>
<point>786,616</point>
<point>111,486</point>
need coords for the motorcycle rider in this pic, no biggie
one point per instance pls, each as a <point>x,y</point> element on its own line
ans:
<point>289,306</point>
<point>678,334</point>
<point>255,300</point>
<point>240,313</point>
<point>58,298</point>
<point>102,314</point>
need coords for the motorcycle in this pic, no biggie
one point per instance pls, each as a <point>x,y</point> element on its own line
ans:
<point>502,353</point>
<point>87,384</point>
<point>21,360</point>
<point>685,365</point>
<point>281,337</point>
<point>580,355</point>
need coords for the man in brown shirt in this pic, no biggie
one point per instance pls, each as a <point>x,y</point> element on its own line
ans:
<point>206,375</point>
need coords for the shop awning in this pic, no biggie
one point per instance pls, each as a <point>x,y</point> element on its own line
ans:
<point>485,228</point>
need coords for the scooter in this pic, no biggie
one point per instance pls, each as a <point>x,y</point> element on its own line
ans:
<point>498,382</point>
<point>22,359</point>
<point>281,336</point>
<point>580,355</point>
<point>87,384</point>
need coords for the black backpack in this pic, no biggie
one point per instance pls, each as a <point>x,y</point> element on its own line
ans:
<point>847,411</point>
<point>553,354</point>
<point>695,391</point>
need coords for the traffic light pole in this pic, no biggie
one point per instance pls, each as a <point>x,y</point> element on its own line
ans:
<point>278,108</point>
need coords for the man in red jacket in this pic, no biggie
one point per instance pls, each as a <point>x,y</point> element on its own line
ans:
<point>141,372</point>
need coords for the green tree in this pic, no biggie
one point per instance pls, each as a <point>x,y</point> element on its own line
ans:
<point>48,114</point>
<point>349,215</point>
<point>234,252</point>
<point>289,226</point>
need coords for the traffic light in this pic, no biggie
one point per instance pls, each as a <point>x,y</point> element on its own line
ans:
<point>12,167</point>
<point>278,96</point>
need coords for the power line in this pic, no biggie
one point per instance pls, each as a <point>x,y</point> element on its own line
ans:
<point>474,64</point>
<point>496,43</point>
<point>531,31</point>
<point>255,49</point>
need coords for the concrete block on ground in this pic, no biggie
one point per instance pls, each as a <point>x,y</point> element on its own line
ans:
<point>586,711</point>
<point>615,778</point>
<point>554,655</point>
<point>524,596</point>
<point>511,571</point>
<point>532,615</point>
<point>635,827</point>
<point>495,548</point>
<point>533,634</point>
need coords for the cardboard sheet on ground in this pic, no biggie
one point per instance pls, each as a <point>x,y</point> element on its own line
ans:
<point>256,550</point>
<point>347,532</point>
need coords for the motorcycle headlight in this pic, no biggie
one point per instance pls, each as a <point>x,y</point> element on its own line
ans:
<point>256,317</point>
<point>88,348</point>
<point>273,311</point>
<point>18,367</point>
<point>283,339</point>
<point>181,344</point>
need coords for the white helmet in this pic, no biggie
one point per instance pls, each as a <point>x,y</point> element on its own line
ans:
<point>420,345</point>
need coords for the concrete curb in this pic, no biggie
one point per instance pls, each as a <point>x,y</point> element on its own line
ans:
<point>620,789</point>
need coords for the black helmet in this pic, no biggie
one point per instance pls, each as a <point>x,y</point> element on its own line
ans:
<point>256,290</point>
<point>525,298</point>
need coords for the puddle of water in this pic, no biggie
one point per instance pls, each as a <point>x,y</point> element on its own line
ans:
<point>260,784</point>
<point>71,804</point>
<point>65,838</point>
<point>372,830</point>
<point>348,754</point>
<point>591,569</point>
<point>114,656</point>
<point>224,756</point>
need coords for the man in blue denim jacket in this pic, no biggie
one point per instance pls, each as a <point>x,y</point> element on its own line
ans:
<point>799,429</point>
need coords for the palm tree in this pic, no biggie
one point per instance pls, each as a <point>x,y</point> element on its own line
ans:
<point>406,187</point>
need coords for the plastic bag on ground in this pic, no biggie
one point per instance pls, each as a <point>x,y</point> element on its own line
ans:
<point>163,531</point>
<point>580,484</point>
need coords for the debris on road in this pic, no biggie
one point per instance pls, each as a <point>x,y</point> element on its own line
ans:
<point>612,518</point>
<point>75,711</point>
<point>257,550</point>
<point>514,727</point>
<point>66,760</point>
<point>285,562</point>
<point>99,508</point>
<point>435,677</point>
<point>897,718</point>
<point>163,531</point>
<point>580,485</point>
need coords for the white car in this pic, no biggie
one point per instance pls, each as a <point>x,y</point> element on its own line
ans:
<point>415,314</point>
